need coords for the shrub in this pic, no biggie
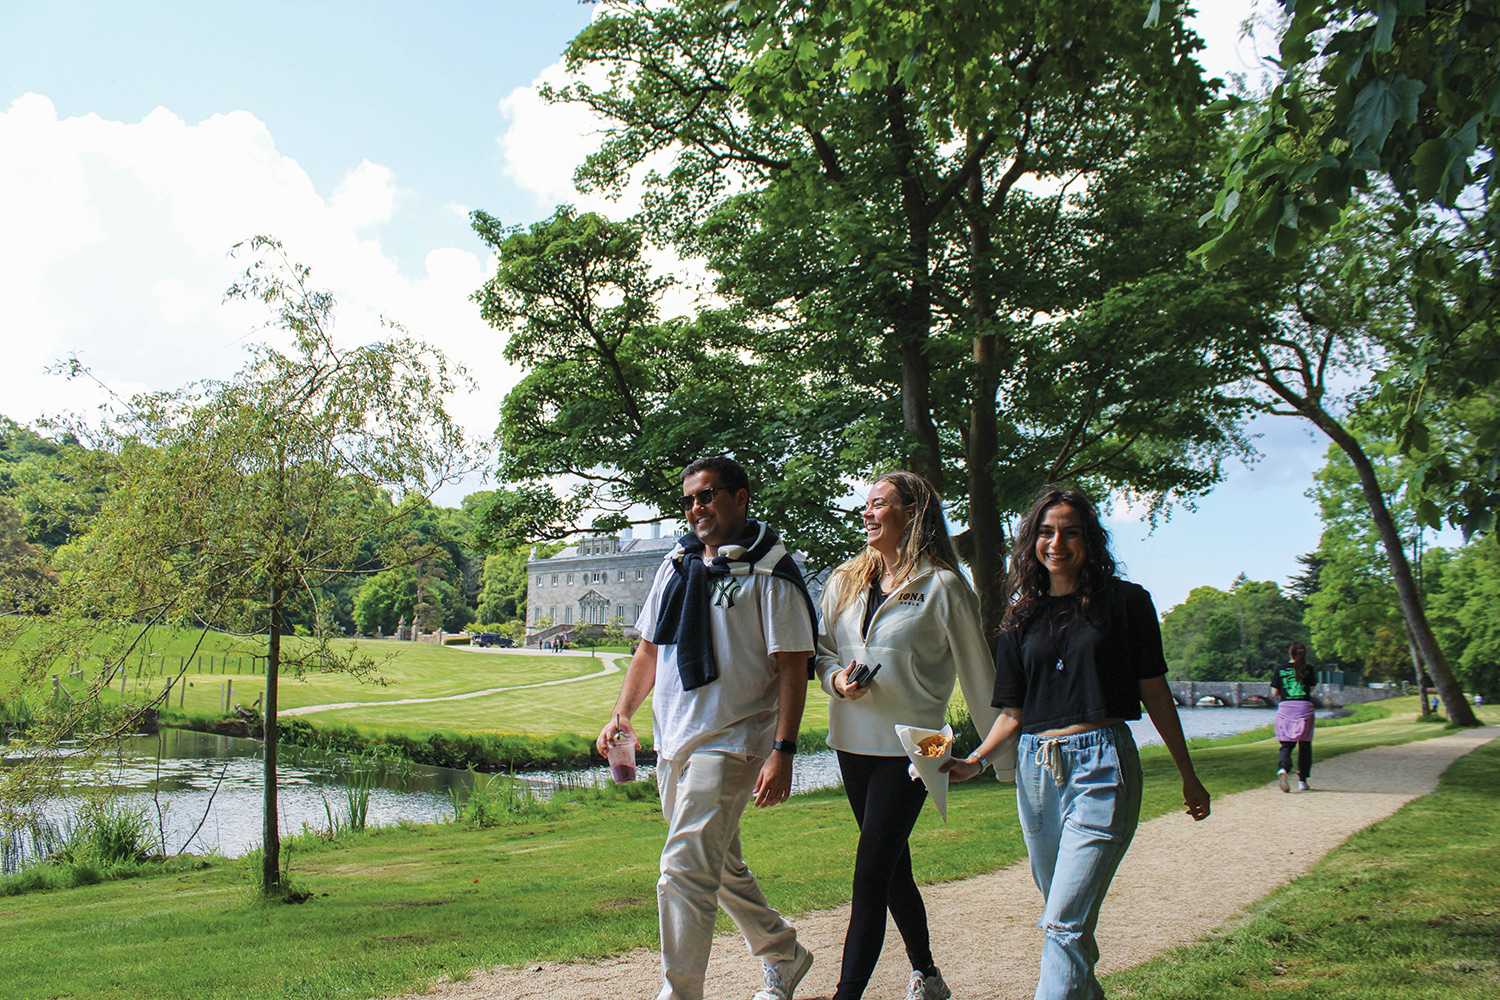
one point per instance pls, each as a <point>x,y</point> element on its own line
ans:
<point>104,832</point>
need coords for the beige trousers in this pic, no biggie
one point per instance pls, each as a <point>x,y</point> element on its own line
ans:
<point>703,797</point>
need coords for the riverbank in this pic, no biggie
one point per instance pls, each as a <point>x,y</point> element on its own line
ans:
<point>486,752</point>
<point>395,908</point>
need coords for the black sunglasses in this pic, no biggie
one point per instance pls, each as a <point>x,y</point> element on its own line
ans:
<point>703,497</point>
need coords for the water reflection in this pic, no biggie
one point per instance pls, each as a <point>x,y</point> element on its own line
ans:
<point>204,793</point>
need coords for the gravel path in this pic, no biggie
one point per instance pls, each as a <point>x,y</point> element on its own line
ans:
<point>1179,881</point>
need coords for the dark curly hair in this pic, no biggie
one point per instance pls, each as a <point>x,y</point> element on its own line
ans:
<point>1028,580</point>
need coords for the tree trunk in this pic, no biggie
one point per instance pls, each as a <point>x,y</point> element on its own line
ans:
<point>912,317</point>
<point>986,546</point>
<point>270,876</point>
<point>1416,668</point>
<point>1459,710</point>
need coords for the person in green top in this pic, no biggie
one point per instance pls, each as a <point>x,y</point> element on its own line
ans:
<point>1292,684</point>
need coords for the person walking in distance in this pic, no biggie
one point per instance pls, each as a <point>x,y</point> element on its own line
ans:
<point>1292,684</point>
<point>727,635</point>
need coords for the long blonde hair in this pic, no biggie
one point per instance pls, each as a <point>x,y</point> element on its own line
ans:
<point>926,538</point>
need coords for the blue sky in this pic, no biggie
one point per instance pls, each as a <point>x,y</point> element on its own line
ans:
<point>139,141</point>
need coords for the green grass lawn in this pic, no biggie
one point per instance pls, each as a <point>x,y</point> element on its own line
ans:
<point>1408,909</point>
<point>395,908</point>
<point>407,670</point>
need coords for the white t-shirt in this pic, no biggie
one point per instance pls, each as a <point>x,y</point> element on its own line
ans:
<point>750,618</point>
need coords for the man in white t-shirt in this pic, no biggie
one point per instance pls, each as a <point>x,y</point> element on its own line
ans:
<point>726,636</point>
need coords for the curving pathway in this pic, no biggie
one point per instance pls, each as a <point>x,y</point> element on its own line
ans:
<point>1179,882</point>
<point>611,663</point>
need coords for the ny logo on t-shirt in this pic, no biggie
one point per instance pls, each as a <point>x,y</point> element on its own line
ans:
<point>724,591</point>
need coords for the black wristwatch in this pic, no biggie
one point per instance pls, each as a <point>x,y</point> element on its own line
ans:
<point>788,747</point>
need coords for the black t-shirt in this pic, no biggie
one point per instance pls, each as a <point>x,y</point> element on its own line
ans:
<point>1063,668</point>
<point>1284,679</point>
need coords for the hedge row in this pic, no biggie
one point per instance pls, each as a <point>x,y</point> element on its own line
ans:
<point>489,752</point>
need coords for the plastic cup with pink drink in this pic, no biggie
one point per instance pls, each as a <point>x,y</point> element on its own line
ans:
<point>622,758</point>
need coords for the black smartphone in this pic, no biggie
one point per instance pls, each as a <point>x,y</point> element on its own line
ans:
<point>862,675</point>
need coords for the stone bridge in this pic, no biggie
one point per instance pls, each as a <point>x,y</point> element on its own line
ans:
<point>1257,694</point>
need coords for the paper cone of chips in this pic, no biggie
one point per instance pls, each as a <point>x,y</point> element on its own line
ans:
<point>928,750</point>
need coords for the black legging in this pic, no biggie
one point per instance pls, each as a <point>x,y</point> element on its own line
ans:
<point>1304,757</point>
<point>886,803</point>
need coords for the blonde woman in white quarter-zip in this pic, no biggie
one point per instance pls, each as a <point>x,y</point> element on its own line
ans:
<point>900,606</point>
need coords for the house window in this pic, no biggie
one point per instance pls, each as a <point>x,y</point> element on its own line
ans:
<point>553,616</point>
<point>568,615</point>
<point>621,577</point>
<point>640,574</point>
<point>554,579</point>
<point>570,579</point>
<point>539,579</point>
<point>637,610</point>
<point>620,611</point>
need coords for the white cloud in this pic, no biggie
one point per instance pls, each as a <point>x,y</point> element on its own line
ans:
<point>366,196</point>
<point>1228,51</point>
<point>115,249</point>
<point>544,144</point>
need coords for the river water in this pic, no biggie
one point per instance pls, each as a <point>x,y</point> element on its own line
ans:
<point>203,793</point>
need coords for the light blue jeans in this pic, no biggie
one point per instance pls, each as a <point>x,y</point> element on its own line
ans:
<point>1080,802</point>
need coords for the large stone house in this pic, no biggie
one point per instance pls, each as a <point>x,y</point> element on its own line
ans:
<point>600,579</point>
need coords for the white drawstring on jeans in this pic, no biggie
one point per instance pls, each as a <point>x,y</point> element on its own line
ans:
<point>1048,755</point>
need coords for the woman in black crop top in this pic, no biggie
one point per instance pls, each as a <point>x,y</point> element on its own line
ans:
<point>1079,651</point>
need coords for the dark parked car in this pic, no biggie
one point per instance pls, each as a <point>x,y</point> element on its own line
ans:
<point>492,639</point>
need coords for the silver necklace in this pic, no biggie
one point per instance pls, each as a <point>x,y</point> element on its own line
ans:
<point>1061,650</point>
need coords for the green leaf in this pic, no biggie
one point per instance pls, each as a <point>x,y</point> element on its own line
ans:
<point>1231,202</point>
<point>1220,250</point>
<point>1290,210</point>
<point>1321,215</point>
<point>1434,163</point>
<point>1419,438</point>
<point>1224,105</point>
<point>1296,115</point>
<point>1385,27</point>
<point>1378,106</point>
<point>1429,514</point>
<point>1283,241</point>
<point>1274,162</point>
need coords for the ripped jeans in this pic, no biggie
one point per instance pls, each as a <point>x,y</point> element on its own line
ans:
<point>1080,801</point>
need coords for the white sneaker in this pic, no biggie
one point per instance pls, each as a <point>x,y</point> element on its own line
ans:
<point>1302,786</point>
<point>1284,780</point>
<point>927,987</point>
<point>782,977</point>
